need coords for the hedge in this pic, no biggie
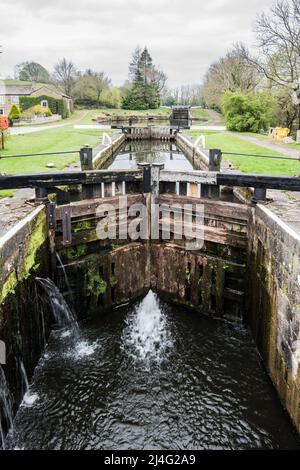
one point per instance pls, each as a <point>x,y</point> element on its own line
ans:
<point>87,103</point>
<point>56,106</point>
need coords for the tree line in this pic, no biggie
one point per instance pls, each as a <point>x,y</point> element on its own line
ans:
<point>257,90</point>
<point>145,88</point>
<point>88,88</point>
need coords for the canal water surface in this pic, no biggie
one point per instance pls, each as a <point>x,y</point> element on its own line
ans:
<point>149,152</point>
<point>151,376</point>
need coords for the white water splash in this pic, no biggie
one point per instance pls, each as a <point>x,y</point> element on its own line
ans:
<point>82,349</point>
<point>61,311</point>
<point>65,334</point>
<point>29,398</point>
<point>146,336</point>
<point>6,409</point>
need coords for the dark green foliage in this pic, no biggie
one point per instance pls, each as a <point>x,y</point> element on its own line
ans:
<point>87,103</point>
<point>143,92</point>
<point>55,106</point>
<point>245,112</point>
<point>32,71</point>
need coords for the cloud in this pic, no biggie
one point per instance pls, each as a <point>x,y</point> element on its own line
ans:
<point>184,37</point>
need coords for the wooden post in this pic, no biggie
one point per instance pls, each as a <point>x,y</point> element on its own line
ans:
<point>51,222</point>
<point>154,215</point>
<point>41,193</point>
<point>66,226</point>
<point>2,139</point>
<point>146,176</point>
<point>209,190</point>
<point>155,173</point>
<point>86,160</point>
<point>260,194</point>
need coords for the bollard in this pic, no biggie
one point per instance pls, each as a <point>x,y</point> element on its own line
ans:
<point>260,194</point>
<point>86,158</point>
<point>41,193</point>
<point>146,176</point>
<point>214,164</point>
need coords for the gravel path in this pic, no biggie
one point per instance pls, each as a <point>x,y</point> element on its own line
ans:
<point>277,147</point>
<point>29,129</point>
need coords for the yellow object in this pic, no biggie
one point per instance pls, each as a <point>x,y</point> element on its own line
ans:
<point>279,133</point>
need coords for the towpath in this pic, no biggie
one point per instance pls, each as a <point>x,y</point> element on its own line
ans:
<point>276,146</point>
<point>17,130</point>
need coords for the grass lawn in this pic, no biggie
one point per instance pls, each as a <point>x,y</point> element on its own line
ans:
<point>59,139</point>
<point>230,143</point>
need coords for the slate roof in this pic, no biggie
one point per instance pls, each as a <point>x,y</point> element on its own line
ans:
<point>18,87</point>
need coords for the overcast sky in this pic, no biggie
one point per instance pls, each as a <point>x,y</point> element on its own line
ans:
<point>183,36</point>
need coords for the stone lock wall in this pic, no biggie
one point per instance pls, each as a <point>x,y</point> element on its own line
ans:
<point>24,321</point>
<point>273,296</point>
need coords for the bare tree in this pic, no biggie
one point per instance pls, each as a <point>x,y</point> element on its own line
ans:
<point>65,73</point>
<point>158,78</point>
<point>278,40</point>
<point>230,73</point>
<point>98,82</point>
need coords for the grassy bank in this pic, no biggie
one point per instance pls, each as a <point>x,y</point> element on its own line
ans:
<point>231,143</point>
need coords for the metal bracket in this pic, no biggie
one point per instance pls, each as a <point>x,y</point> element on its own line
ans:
<point>51,216</point>
<point>66,226</point>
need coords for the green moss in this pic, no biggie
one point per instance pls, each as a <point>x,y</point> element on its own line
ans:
<point>75,252</point>
<point>188,274</point>
<point>96,285</point>
<point>32,246</point>
<point>113,281</point>
<point>80,226</point>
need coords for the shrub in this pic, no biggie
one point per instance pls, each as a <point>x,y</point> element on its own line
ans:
<point>47,112</point>
<point>247,112</point>
<point>28,113</point>
<point>14,113</point>
<point>39,110</point>
<point>86,103</point>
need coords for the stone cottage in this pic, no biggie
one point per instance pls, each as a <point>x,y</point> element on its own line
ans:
<point>47,95</point>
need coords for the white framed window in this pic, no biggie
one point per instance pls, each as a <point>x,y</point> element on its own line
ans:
<point>44,104</point>
<point>1,111</point>
<point>2,99</point>
<point>14,100</point>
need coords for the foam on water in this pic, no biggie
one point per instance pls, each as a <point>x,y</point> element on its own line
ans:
<point>29,398</point>
<point>146,336</point>
<point>84,348</point>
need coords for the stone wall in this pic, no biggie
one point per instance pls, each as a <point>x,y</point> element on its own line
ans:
<point>196,156</point>
<point>107,151</point>
<point>24,321</point>
<point>273,301</point>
